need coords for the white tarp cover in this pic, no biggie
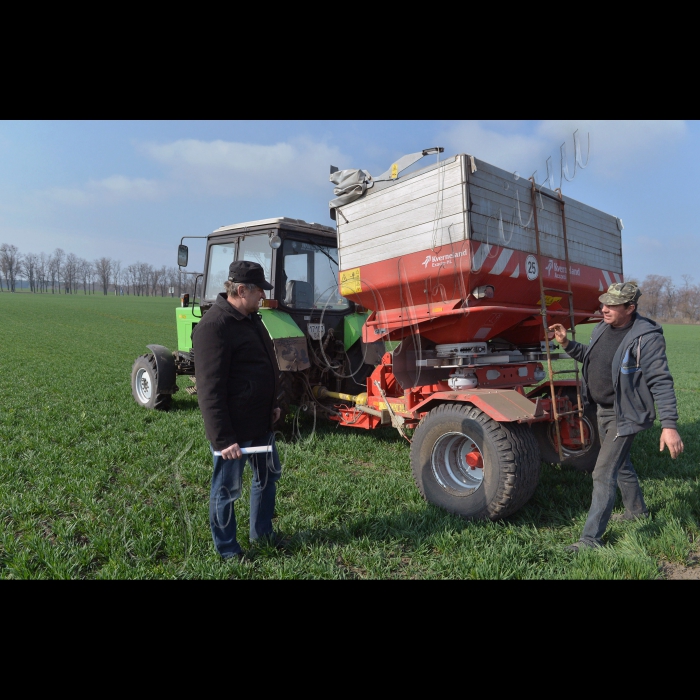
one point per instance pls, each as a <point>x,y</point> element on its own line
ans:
<point>352,184</point>
<point>349,186</point>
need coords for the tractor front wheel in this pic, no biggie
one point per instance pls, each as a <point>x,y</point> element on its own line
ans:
<point>473,466</point>
<point>144,384</point>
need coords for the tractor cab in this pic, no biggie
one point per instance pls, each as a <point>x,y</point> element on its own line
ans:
<point>316,332</point>
<point>299,259</point>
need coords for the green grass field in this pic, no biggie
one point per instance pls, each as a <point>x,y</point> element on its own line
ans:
<point>94,486</point>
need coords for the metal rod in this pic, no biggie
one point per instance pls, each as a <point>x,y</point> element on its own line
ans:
<point>579,400</point>
<point>543,312</point>
<point>546,194</point>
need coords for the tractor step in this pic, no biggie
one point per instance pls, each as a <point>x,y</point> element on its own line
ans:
<point>191,390</point>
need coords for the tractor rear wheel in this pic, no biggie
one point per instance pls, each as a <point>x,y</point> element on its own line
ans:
<point>473,466</point>
<point>582,459</point>
<point>358,370</point>
<point>144,384</point>
<point>287,393</point>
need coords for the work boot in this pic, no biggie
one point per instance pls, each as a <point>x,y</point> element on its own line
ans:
<point>276,540</point>
<point>578,546</point>
<point>239,558</point>
<point>617,517</point>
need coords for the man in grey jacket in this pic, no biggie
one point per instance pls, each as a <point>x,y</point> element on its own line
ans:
<point>625,371</point>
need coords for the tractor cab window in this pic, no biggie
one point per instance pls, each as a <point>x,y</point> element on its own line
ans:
<point>220,257</point>
<point>310,276</point>
<point>257,249</point>
<point>254,248</point>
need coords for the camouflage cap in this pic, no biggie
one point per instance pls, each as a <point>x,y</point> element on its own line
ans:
<point>620,293</point>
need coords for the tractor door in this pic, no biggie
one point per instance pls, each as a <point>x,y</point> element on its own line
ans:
<point>306,286</point>
<point>221,254</point>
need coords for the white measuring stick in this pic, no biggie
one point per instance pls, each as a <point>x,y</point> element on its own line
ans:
<point>251,450</point>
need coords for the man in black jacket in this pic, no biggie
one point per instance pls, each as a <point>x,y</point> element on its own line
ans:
<point>237,390</point>
<point>625,372</point>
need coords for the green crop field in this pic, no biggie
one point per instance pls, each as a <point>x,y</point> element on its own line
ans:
<point>94,486</point>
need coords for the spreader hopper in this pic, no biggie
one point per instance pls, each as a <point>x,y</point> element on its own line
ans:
<point>467,265</point>
<point>451,252</point>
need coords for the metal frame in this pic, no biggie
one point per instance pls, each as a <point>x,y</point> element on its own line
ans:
<point>543,312</point>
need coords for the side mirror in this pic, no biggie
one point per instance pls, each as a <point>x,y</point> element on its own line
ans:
<point>182,255</point>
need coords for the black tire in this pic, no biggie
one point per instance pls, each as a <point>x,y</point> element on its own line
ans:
<point>356,383</point>
<point>144,384</point>
<point>287,394</point>
<point>584,460</point>
<point>509,453</point>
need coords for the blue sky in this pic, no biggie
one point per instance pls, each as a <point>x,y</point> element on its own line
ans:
<point>130,189</point>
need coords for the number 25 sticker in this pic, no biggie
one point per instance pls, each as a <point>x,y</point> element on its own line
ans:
<point>531,267</point>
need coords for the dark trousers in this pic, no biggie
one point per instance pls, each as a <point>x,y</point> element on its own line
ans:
<point>613,470</point>
<point>226,485</point>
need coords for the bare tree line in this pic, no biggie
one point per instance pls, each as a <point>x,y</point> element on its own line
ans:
<point>69,274</point>
<point>663,300</point>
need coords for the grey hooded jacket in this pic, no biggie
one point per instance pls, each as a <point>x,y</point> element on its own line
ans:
<point>640,376</point>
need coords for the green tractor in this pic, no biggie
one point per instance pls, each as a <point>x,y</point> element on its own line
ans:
<point>316,332</point>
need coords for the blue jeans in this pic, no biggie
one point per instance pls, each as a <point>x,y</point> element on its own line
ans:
<point>226,484</point>
<point>613,470</point>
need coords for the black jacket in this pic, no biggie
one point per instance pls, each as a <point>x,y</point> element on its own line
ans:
<point>640,376</point>
<point>236,374</point>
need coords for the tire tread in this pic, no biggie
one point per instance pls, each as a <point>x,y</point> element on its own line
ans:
<point>161,402</point>
<point>518,454</point>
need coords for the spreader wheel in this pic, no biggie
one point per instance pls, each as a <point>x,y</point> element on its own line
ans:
<point>579,457</point>
<point>144,384</point>
<point>473,466</point>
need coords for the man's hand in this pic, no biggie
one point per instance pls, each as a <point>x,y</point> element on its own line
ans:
<point>276,413</point>
<point>560,334</point>
<point>232,452</point>
<point>671,439</point>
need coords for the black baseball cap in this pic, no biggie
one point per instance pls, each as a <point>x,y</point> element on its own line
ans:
<point>247,272</point>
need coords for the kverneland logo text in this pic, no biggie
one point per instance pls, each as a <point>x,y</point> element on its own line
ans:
<point>438,260</point>
<point>559,271</point>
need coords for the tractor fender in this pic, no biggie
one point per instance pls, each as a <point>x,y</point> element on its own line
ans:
<point>288,340</point>
<point>165,368</point>
<point>371,353</point>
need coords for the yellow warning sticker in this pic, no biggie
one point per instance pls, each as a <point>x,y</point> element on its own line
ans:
<point>551,300</point>
<point>397,407</point>
<point>350,282</point>
<point>394,171</point>
<point>437,309</point>
<point>182,316</point>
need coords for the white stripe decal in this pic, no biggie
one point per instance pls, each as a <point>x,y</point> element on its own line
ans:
<point>600,286</point>
<point>608,281</point>
<point>502,261</point>
<point>482,332</point>
<point>480,256</point>
<point>618,279</point>
<point>517,271</point>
